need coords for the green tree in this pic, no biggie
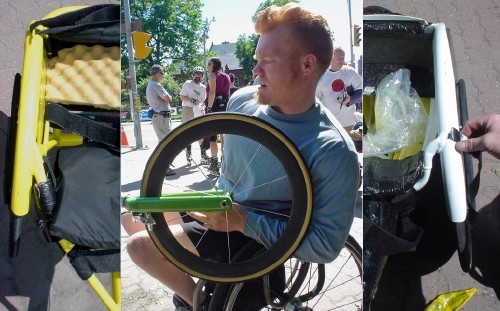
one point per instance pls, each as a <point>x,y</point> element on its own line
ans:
<point>245,45</point>
<point>168,83</point>
<point>173,88</point>
<point>245,50</point>
<point>175,28</point>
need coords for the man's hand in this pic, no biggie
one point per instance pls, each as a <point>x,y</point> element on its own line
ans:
<point>162,99</point>
<point>232,220</point>
<point>484,135</point>
<point>167,100</point>
<point>347,99</point>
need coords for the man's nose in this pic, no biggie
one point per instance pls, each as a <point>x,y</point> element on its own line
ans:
<point>257,70</point>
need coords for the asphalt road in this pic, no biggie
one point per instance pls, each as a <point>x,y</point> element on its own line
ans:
<point>410,281</point>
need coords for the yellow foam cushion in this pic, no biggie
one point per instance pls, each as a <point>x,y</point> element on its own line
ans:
<point>84,75</point>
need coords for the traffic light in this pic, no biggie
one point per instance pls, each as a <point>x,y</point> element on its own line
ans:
<point>140,40</point>
<point>356,33</point>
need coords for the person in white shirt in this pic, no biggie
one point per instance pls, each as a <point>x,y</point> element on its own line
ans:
<point>193,95</point>
<point>340,89</point>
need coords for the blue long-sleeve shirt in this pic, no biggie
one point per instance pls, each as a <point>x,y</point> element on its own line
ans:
<point>331,159</point>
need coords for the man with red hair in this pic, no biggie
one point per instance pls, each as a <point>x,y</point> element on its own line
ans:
<point>293,52</point>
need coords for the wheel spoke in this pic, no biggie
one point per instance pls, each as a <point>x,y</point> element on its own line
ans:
<point>177,218</point>
<point>201,171</point>
<point>267,211</point>
<point>253,231</point>
<point>248,165</point>
<point>203,235</point>
<point>261,185</point>
<point>329,288</point>
<point>228,244</point>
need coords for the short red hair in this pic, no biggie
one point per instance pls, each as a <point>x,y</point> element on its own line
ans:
<point>311,31</point>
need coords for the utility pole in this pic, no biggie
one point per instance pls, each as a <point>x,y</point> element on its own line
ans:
<point>135,101</point>
<point>205,37</point>
<point>350,33</point>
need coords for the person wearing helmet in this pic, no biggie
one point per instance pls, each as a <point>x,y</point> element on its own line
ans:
<point>193,95</point>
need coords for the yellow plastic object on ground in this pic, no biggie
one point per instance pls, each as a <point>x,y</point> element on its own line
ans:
<point>451,301</point>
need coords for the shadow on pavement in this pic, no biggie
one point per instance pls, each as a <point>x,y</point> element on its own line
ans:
<point>135,185</point>
<point>486,246</point>
<point>25,280</point>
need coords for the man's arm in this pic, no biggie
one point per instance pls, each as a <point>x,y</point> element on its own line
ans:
<point>190,100</point>
<point>357,86</point>
<point>335,182</point>
<point>184,95</point>
<point>212,80</point>
<point>162,93</point>
<point>166,98</point>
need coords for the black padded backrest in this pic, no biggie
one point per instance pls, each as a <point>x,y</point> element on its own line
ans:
<point>99,24</point>
<point>392,45</point>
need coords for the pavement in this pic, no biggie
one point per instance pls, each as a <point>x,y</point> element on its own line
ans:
<point>411,280</point>
<point>40,278</point>
<point>139,290</point>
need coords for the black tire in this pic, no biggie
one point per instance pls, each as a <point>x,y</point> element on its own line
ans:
<point>356,251</point>
<point>351,296</point>
<point>286,153</point>
<point>464,245</point>
<point>15,221</point>
<point>11,142</point>
<point>463,229</point>
<point>314,288</point>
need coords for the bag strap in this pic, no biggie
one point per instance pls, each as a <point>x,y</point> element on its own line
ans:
<point>97,24</point>
<point>87,261</point>
<point>473,186</point>
<point>74,123</point>
<point>379,240</point>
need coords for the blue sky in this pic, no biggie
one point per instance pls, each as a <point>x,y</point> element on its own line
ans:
<point>233,18</point>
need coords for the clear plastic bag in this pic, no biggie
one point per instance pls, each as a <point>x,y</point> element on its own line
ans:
<point>400,117</point>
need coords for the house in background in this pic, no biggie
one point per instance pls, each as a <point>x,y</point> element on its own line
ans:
<point>227,53</point>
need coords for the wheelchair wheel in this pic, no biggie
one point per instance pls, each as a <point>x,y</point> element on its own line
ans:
<point>308,286</point>
<point>265,143</point>
<point>463,229</point>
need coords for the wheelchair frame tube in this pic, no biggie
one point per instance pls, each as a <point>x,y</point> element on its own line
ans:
<point>451,160</point>
<point>211,201</point>
<point>28,161</point>
<point>112,302</point>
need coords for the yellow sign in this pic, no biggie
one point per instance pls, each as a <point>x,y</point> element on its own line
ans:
<point>140,40</point>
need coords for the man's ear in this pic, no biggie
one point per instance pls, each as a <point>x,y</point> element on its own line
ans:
<point>309,63</point>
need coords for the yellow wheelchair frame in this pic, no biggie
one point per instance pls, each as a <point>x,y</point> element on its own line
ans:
<point>33,141</point>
